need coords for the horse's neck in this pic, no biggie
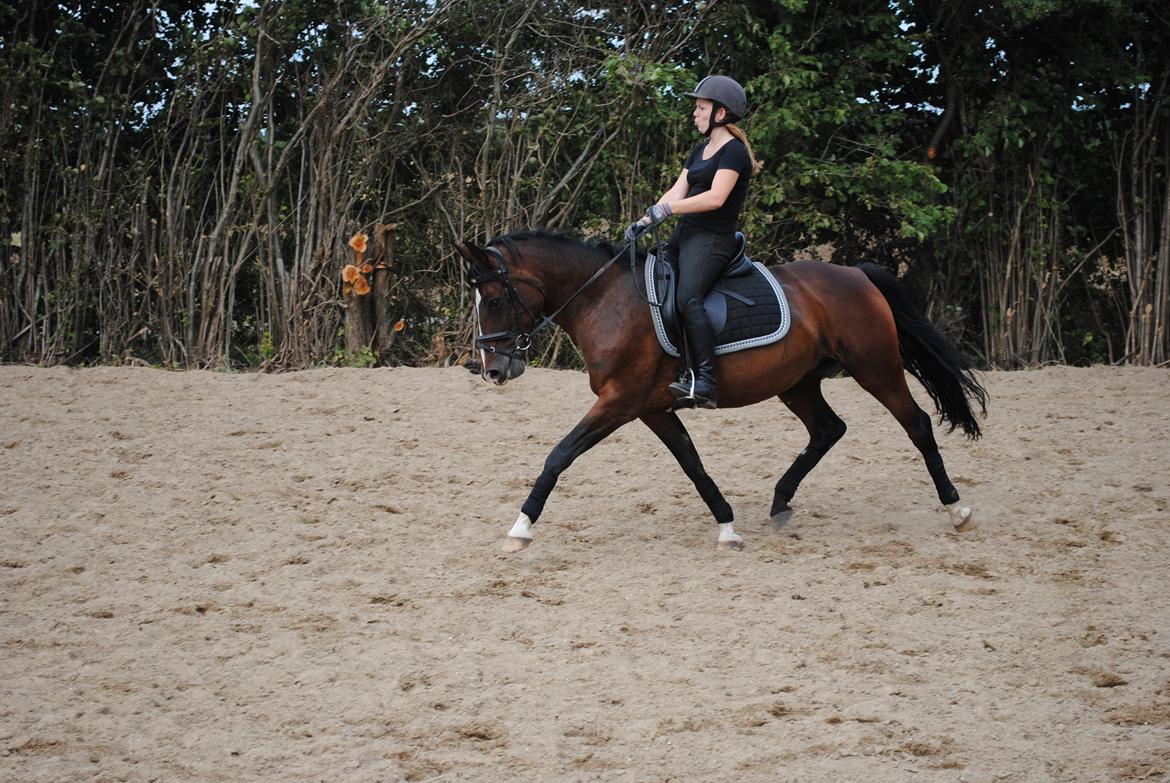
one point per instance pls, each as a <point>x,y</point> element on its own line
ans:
<point>563,277</point>
<point>607,294</point>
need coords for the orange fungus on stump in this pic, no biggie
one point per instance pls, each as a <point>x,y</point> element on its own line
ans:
<point>358,242</point>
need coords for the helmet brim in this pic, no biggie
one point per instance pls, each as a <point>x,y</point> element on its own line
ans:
<point>723,91</point>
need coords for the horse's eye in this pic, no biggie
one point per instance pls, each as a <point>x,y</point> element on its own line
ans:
<point>494,303</point>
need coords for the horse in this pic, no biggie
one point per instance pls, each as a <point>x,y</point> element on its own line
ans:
<point>859,319</point>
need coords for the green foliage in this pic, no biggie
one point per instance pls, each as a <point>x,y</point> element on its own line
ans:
<point>363,357</point>
<point>266,348</point>
<point>835,168</point>
<point>178,169</point>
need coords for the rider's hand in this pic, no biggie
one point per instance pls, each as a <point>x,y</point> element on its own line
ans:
<point>657,214</point>
<point>634,230</point>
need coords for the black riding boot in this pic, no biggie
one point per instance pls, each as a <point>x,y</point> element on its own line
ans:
<point>699,384</point>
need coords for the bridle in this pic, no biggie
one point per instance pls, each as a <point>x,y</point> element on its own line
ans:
<point>521,341</point>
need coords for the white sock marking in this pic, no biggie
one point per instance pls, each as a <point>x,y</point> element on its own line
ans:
<point>727,532</point>
<point>522,528</point>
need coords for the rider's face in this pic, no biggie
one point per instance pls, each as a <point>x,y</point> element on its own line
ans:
<point>702,114</point>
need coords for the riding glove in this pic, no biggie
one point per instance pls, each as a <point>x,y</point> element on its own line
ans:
<point>658,214</point>
<point>655,216</point>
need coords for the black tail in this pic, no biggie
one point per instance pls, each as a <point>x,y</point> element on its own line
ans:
<point>939,366</point>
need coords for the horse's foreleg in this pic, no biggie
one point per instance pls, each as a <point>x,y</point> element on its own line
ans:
<point>824,427</point>
<point>603,418</point>
<point>670,430</point>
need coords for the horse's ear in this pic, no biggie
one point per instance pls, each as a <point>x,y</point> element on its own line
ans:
<point>469,252</point>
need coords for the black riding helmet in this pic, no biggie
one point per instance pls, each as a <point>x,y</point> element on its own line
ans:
<point>722,91</point>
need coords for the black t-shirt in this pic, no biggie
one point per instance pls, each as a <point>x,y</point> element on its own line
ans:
<point>701,173</point>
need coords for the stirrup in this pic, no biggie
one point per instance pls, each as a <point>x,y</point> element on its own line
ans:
<point>684,392</point>
<point>684,387</point>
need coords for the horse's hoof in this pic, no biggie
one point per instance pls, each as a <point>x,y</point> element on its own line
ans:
<point>780,519</point>
<point>962,518</point>
<point>731,546</point>
<point>515,544</point>
<point>966,525</point>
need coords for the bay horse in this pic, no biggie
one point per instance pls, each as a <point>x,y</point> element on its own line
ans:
<point>858,319</point>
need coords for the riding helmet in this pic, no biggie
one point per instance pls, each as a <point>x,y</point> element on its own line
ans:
<point>724,91</point>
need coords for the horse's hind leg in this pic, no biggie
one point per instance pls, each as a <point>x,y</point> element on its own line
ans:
<point>888,384</point>
<point>824,427</point>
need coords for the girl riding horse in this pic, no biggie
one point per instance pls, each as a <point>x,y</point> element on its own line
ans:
<point>709,195</point>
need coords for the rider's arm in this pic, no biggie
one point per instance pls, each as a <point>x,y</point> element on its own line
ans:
<point>721,188</point>
<point>677,191</point>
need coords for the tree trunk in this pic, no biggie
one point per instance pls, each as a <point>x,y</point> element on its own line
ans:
<point>384,241</point>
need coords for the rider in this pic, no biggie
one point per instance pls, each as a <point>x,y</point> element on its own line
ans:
<point>708,195</point>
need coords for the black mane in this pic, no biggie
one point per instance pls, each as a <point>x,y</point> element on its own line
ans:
<point>594,245</point>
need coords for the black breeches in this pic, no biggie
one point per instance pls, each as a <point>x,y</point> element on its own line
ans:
<point>701,256</point>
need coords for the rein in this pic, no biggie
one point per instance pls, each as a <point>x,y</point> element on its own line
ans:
<point>522,341</point>
<point>642,293</point>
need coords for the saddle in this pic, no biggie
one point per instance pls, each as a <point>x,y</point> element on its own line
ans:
<point>747,306</point>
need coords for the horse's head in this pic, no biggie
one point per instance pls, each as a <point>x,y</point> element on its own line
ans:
<point>508,306</point>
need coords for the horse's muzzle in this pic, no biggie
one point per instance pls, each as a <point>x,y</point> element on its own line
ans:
<point>513,368</point>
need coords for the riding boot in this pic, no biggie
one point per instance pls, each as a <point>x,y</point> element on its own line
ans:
<point>699,387</point>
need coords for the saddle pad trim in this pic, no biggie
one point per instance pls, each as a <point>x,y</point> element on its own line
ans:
<point>739,345</point>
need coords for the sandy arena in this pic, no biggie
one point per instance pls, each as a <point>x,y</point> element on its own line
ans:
<point>224,577</point>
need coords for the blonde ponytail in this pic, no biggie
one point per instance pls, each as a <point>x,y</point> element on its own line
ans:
<point>738,133</point>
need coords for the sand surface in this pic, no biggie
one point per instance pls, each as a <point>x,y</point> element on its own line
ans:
<point>219,577</point>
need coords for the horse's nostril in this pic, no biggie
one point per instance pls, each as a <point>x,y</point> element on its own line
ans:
<point>494,375</point>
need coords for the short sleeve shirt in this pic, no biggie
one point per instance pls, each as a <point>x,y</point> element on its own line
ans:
<point>701,173</point>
